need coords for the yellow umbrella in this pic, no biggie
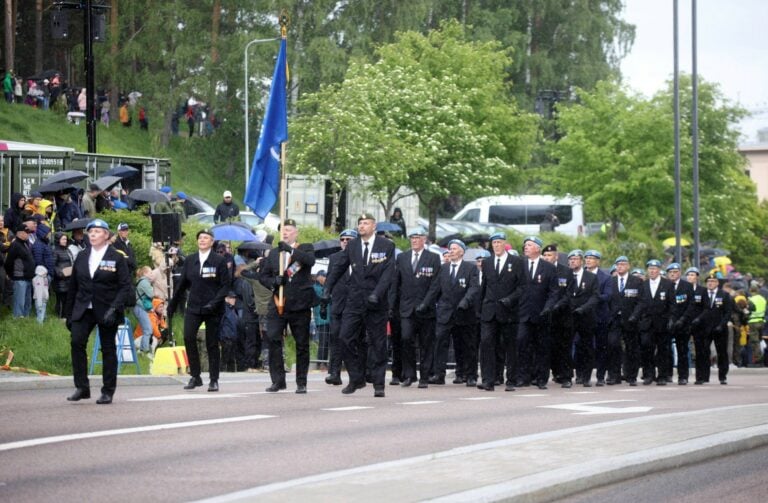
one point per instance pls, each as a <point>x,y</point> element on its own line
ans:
<point>671,242</point>
<point>722,261</point>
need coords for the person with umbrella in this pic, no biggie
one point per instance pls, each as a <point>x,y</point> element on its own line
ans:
<point>397,219</point>
<point>207,278</point>
<point>287,271</point>
<point>99,290</point>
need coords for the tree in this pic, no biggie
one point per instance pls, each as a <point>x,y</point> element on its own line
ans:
<point>432,114</point>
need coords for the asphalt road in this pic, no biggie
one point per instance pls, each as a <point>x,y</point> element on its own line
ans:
<point>166,444</point>
<point>738,478</point>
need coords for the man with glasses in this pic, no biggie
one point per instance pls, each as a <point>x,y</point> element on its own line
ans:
<point>338,301</point>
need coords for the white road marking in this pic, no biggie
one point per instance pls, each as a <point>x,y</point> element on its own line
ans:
<point>126,431</point>
<point>352,407</point>
<point>423,402</point>
<point>591,408</point>
<point>531,394</point>
<point>581,392</point>
<point>630,390</point>
<point>474,398</point>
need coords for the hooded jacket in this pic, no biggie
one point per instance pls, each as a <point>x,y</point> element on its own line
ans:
<point>13,213</point>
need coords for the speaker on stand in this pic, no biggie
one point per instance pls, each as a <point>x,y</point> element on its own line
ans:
<point>166,228</point>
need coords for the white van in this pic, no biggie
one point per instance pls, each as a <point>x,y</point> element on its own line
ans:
<point>526,214</point>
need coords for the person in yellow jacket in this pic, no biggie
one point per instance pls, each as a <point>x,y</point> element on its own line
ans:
<point>125,117</point>
<point>756,324</point>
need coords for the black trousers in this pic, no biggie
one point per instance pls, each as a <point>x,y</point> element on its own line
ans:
<point>601,349</point>
<point>81,330</point>
<point>584,335</point>
<point>681,344</point>
<point>417,332</point>
<point>492,335</point>
<point>375,324</point>
<point>465,340</point>
<point>559,336</point>
<point>702,342</point>
<point>192,324</point>
<point>396,342</point>
<point>276,324</point>
<point>334,361</point>
<point>533,352</point>
<point>252,345</point>
<point>654,350</point>
<point>613,353</point>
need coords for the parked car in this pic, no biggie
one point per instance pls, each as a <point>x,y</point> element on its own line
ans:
<point>248,217</point>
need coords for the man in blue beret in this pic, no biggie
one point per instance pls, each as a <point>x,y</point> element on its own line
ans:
<point>656,301</point>
<point>592,260</point>
<point>540,294</point>
<point>712,326</point>
<point>337,301</point>
<point>579,302</point>
<point>624,312</point>
<point>679,322</point>
<point>503,283</point>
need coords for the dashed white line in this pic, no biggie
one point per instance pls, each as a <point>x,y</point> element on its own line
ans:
<point>125,431</point>
<point>581,392</point>
<point>476,398</point>
<point>342,409</point>
<point>422,402</point>
<point>531,394</point>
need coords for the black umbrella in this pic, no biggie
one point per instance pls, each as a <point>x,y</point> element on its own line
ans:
<point>53,187</point>
<point>80,223</point>
<point>326,247</point>
<point>148,196</point>
<point>480,237</point>
<point>121,171</point>
<point>107,182</point>
<point>254,245</point>
<point>45,74</point>
<point>68,175</point>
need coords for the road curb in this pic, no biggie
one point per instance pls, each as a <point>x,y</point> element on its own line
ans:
<point>569,481</point>
<point>65,382</point>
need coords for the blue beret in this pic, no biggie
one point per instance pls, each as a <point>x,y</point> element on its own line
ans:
<point>97,223</point>
<point>637,271</point>
<point>348,233</point>
<point>653,263</point>
<point>673,265</point>
<point>457,242</point>
<point>533,239</point>
<point>513,252</point>
<point>621,258</point>
<point>181,195</point>
<point>482,254</point>
<point>165,189</point>
<point>497,235</point>
<point>321,273</point>
<point>575,253</point>
<point>593,253</point>
<point>693,269</point>
<point>612,269</point>
<point>417,231</point>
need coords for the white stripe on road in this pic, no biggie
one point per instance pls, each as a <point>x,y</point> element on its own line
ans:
<point>423,402</point>
<point>352,407</point>
<point>475,398</point>
<point>532,394</point>
<point>581,392</point>
<point>126,431</point>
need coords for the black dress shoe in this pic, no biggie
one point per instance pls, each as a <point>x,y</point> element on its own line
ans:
<point>79,394</point>
<point>301,389</point>
<point>471,382</point>
<point>193,383</point>
<point>723,382</point>
<point>437,380</point>
<point>351,388</point>
<point>104,399</point>
<point>395,381</point>
<point>275,388</point>
<point>509,387</point>
<point>541,386</point>
<point>485,387</point>
<point>214,386</point>
<point>379,393</point>
<point>459,380</point>
<point>600,383</point>
<point>407,382</point>
<point>699,382</point>
<point>424,384</point>
<point>566,384</point>
<point>647,381</point>
<point>609,382</point>
<point>682,382</point>
<point>587,383</point>
<point>662,382</point>
<point>633,382</point>
<point>521,384</point>
<point>333,379</point>
<point>497,382</point>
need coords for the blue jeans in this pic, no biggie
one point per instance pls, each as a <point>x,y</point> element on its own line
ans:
<point>22,298</point>
<point>40,307</point>
<point>146,326</point>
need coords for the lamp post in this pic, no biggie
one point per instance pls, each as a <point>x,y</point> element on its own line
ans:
<point>247,149</point>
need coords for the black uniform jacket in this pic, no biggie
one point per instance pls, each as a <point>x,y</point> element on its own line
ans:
<point>298,292</point>
<point>683,298</point>
<point>207,286</point>
<point>110,286</point>
<point>412,287</point>
<point>623,304</point>
<point>655,310</point>
<point>541,291</point>
<point>340,289</point>
<point>581,295</point>
<point>715,317</point>
<point>374,277</point>
<point>448,293</point>
<point>509,283</point>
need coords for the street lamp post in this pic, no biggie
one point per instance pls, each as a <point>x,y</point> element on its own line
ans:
<point>247,149</point>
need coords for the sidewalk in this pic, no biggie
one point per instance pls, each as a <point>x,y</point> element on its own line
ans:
<point>539,467</point>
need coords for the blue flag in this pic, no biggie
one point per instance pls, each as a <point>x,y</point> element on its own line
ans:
<point>264,183</point>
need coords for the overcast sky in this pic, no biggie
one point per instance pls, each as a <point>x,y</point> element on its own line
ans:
<point>732,50</point>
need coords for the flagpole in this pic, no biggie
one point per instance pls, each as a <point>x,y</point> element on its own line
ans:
<point>283,181</point>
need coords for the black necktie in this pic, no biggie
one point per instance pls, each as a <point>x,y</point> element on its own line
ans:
<point>498,265</point>
<point>711,298</point>
<point>415,261</point>
<point>365,253</point>
<point>621,284</point>
<point>453,273</point>
<point>531,271</point>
